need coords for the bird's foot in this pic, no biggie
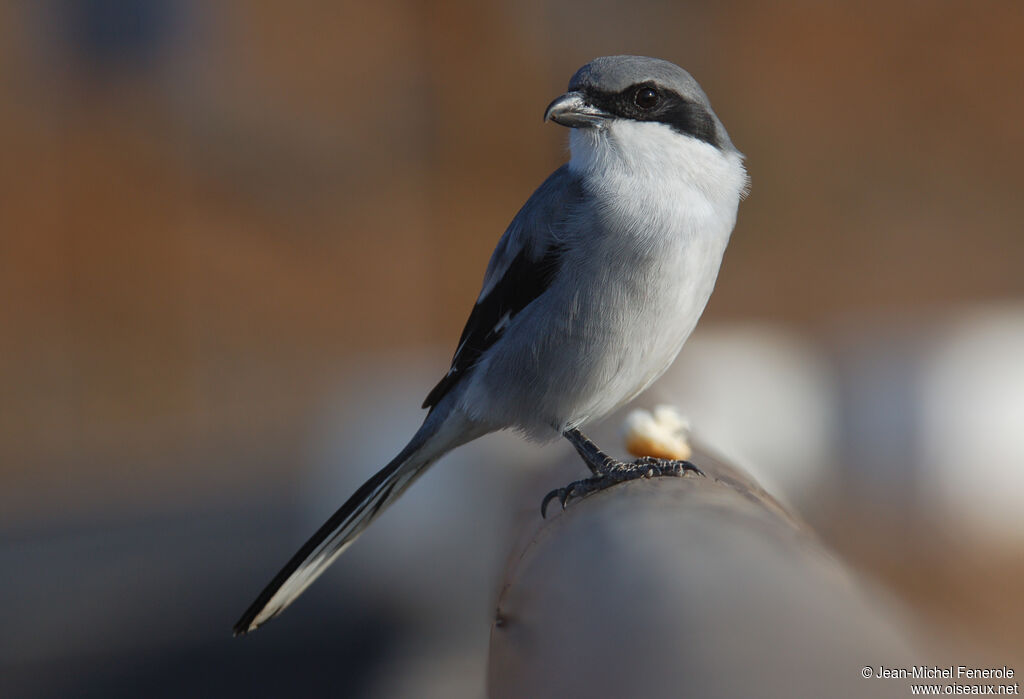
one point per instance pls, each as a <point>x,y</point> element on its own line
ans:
<point>613,472</point>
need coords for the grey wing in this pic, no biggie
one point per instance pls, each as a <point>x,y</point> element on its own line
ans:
<point>522,267</point>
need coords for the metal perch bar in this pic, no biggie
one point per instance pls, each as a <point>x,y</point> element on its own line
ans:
<point>700,587</point>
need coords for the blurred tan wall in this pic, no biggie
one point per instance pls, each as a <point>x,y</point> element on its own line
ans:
<point>194,241</point>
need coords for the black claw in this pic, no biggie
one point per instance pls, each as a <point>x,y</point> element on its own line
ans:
<point>557,492</point>
<point>566,494</point>
<point>690,466</point>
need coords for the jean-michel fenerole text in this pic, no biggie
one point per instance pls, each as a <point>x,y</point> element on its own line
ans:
<point>949,672</point>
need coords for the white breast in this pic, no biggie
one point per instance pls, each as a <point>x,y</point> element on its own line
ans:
<point>669,206</point>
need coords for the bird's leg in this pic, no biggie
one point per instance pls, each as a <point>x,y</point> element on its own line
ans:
<point>608,471</point>
<point>596,460</point>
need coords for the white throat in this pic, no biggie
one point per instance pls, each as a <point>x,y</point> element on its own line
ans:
<point>660,160</point>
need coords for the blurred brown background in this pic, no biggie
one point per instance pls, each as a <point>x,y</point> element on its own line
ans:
<point>211,214</point>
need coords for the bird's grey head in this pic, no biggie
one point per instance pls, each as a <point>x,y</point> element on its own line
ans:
<point>638,88</point>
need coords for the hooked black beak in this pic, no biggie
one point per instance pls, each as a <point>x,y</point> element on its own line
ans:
<point>572,110</point>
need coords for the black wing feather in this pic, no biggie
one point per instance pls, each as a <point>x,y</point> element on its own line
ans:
<point>523,281</point>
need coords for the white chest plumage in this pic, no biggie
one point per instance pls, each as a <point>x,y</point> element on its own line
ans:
<point>668,206</point>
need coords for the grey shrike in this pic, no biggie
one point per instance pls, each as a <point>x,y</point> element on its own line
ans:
<point>587,299</point>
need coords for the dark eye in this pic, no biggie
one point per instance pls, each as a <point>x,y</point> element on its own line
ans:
<point>646,97</point>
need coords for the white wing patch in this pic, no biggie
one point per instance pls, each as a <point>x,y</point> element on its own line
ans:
<point>502,322</point>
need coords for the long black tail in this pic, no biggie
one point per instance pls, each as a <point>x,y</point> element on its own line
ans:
<point>435,438</point>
